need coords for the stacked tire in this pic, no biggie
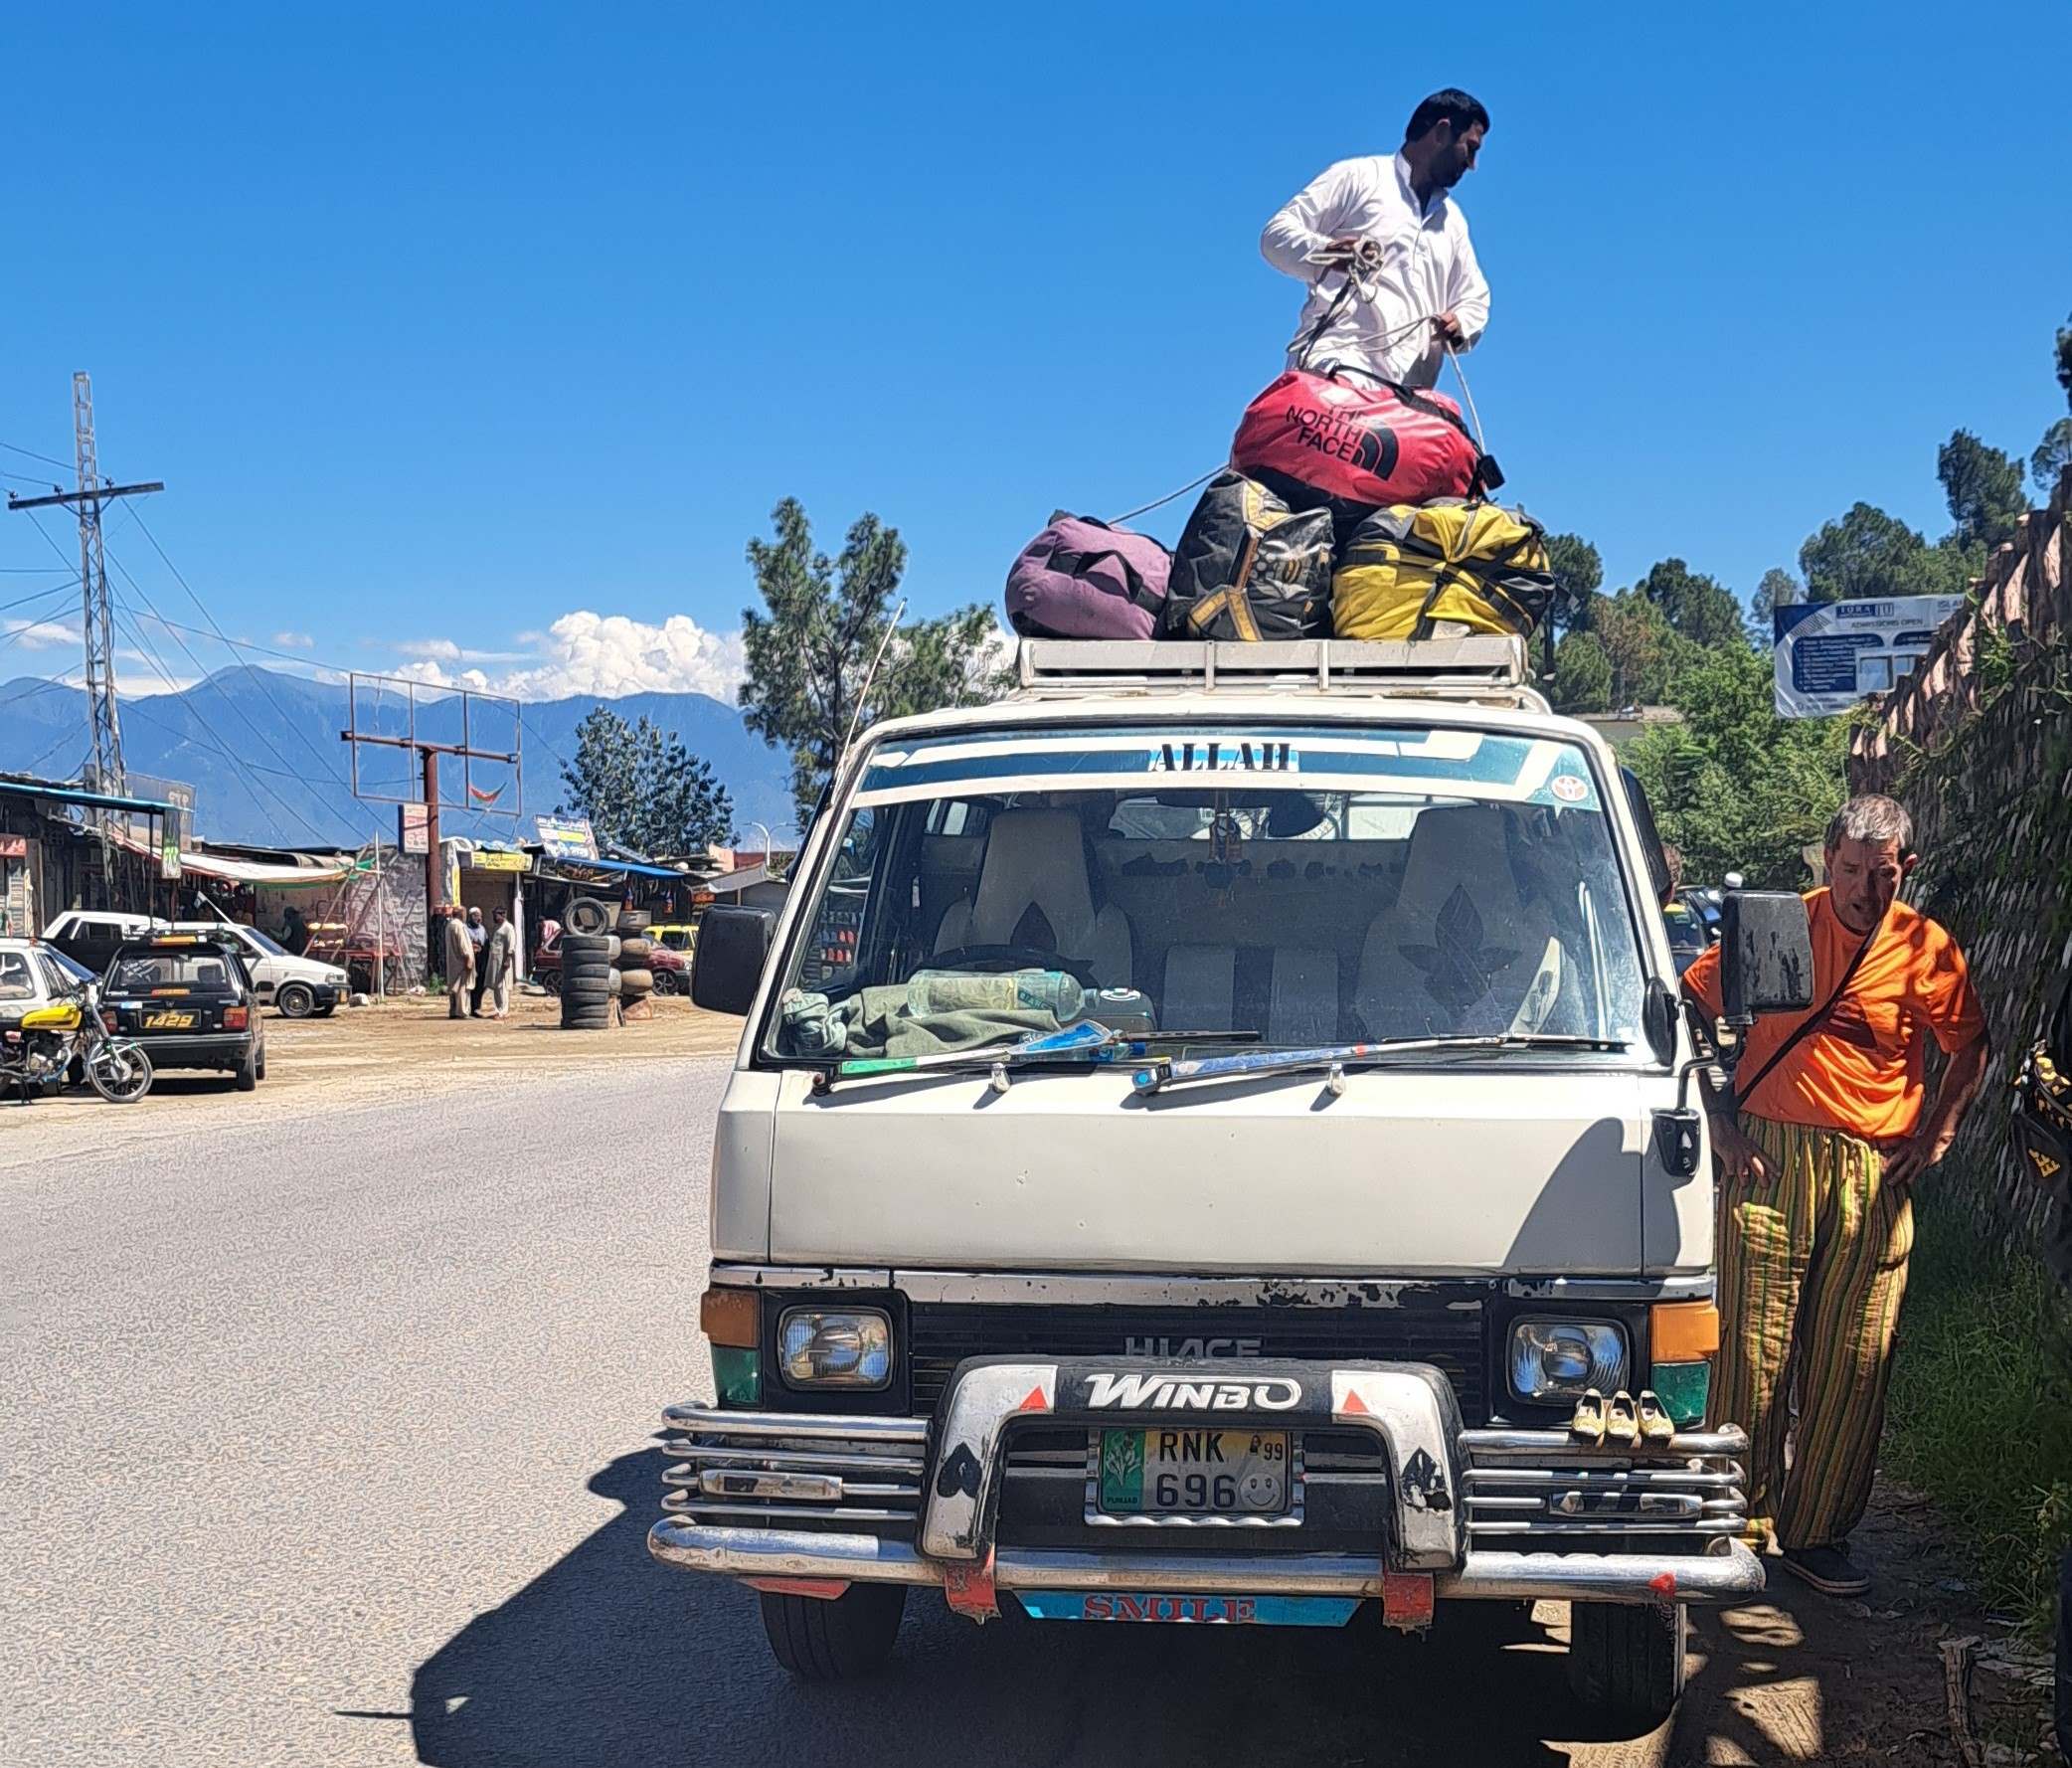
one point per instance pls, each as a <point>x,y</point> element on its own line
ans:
<point>635,976</point>
<point>589,982</point>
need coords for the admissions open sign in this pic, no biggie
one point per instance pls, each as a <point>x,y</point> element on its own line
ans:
<point>1831,655</point>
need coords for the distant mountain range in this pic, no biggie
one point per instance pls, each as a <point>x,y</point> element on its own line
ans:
<point>262,750</point>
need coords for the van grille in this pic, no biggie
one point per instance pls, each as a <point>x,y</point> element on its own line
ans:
<point>1447,1333</point>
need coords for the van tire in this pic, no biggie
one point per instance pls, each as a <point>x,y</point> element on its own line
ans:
<point>296,1000</point>
<point>246,1079</point>
<point>829,1641</point>
<point>1627,1659</point>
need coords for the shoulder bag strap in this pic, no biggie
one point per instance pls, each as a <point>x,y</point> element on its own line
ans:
<point>1807,1026</point>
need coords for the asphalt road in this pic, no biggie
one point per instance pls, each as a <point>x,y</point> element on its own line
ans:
<point>330,1442</point>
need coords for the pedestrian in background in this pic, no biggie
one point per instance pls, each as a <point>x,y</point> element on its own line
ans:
<point>501,965</point>
<point>479,936</point>
<point>1817,1146</point>
<point>460,965</point>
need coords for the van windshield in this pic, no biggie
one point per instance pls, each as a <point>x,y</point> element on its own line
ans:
<point>1293,886</point>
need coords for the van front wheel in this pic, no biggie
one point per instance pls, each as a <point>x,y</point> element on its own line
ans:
<point>1628,1658</point>
<point>295,1001</point>
<point>823,1640</point>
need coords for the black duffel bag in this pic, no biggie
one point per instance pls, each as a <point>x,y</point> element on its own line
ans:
<point>1250,567</point>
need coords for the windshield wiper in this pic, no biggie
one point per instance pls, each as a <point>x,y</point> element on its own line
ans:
<point>1087,1044</point>
<point>1333,1059</point>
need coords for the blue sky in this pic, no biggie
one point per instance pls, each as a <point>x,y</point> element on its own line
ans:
<point>447,325</point>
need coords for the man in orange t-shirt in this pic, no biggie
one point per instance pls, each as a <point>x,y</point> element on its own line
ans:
<point>1815,1172</point>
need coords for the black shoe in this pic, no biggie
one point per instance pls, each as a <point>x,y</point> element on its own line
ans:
<point>1828,1569</point>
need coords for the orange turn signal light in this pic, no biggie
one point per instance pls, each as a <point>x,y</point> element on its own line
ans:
<point>730,1316</point>
<point>1681,1331</point>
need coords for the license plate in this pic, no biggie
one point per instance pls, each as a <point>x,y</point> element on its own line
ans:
<point>168,1021</point>
<point>1194,1473</point>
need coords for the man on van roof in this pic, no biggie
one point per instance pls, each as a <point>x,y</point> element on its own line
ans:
<point>1418,287</point>
<point>1817,1174</point>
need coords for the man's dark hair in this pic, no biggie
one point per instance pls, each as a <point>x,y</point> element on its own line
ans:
<point>1452,105</point>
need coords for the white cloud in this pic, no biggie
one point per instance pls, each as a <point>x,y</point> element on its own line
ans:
<point>39,634</point>
<point>294,642</point>
<point>609,656</point>
<point>447,651</point>
<point>436,674</point>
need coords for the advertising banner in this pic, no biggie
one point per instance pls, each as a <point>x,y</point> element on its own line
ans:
<point>1831,655</point>
<point>567,837</point>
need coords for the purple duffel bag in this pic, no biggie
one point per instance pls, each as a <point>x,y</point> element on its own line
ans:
<point>1082,579</point>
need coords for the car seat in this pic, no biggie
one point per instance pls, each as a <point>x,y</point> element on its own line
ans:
<point>1469,947</point>
<point>1033,890</point>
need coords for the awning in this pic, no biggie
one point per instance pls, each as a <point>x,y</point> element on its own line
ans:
<point>78,794</point>
<point>251,871</point>
<point>557,863</point>
<point>244,871</point>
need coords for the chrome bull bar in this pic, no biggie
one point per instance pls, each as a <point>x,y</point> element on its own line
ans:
<point>1473,1513</point>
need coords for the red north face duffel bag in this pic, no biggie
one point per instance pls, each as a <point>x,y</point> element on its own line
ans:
<point>1317,439</point>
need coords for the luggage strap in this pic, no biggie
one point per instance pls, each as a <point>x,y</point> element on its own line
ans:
<point>1136,590</point>
<point>1805,1026</point>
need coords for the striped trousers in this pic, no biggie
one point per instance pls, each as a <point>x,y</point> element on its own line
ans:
<point>1812,1268</point>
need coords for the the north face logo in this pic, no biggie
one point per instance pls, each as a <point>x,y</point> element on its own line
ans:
<point>1377,449</point>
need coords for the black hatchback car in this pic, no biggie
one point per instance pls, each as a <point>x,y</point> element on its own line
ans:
<point>188,999</point>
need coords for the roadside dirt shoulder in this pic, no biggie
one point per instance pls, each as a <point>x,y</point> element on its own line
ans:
<point>404,1049</point>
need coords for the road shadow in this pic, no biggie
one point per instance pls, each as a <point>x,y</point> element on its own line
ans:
<point>606,1658</point>
<point>1800,1677</point>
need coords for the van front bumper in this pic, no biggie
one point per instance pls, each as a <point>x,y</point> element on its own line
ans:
<point>814,1501</point>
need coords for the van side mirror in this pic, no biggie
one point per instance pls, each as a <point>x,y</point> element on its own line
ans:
<point>731,945</point>
<point>1658,879</point>
<point>1765,961</point>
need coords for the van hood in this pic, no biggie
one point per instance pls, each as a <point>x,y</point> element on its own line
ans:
<point>1440,1174</point>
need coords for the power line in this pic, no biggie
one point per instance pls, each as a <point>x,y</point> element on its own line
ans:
<point>31,622</point>
<point>44,593</point>
<point>62,739</point>
<point>258,678</point>
<point>150,654</point>
<point>287,656</point>
<point>47,459</point>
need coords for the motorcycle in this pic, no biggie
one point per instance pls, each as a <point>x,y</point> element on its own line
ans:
<point>39,1052</point>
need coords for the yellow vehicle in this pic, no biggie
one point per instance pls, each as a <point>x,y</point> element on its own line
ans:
<point>678,935</point>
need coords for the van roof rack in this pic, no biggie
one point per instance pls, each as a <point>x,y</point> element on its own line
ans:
<point>1487,667</point>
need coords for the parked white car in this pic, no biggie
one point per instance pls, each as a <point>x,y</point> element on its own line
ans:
<point>33,975</point>
<point>1359,1151</point>
<point>90,937</point>
<point>299,986</point>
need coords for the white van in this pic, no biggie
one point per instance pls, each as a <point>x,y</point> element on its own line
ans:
<point>1202,1125</point>
<point>301,987</point>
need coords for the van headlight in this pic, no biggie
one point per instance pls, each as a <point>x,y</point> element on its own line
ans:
<point>835,1347</point>
<point>1559,1359</point>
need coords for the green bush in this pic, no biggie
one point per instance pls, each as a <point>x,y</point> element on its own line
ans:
<point>1980,1414</point>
